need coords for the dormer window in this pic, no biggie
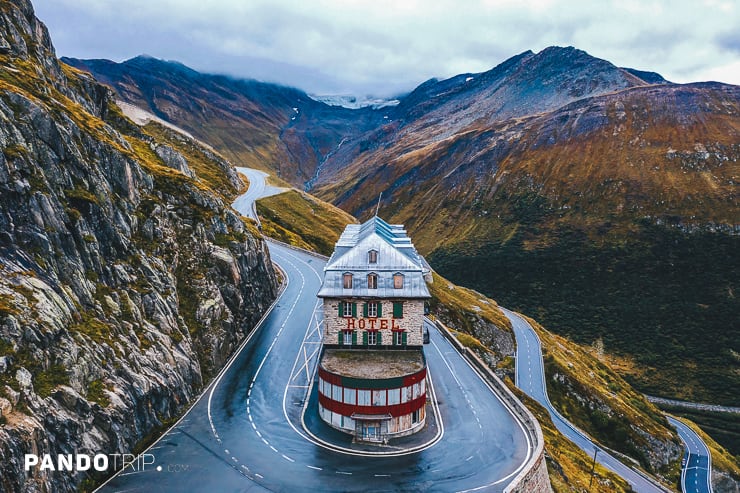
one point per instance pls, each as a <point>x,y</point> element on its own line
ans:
<point>372,281</point>
<point>372,257</point>
<point>347,280</point>
<point>398,280</point>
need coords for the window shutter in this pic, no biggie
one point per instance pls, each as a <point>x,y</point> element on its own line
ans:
<point>354,338</point>
<point>354,310</point>
<point>341,339</point>
<point>364,337</point>
<point>380,309</point>
<point>364,310</point>
<point>403,338</point>
<point>397,309</point>
<point>380,338</point>
<point>341,308</point>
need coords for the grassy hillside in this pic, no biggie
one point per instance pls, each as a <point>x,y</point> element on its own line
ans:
<point>654,297</point>
<point>301,220</point>
<point>568,466</point>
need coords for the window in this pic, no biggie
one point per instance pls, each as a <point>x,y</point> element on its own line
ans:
<point>372,281</point>
<point>347,309</point>
<point>347,337</point>
<point>363,398</point>
<point>372,338</point>
<point>336,393</point>
<point>379,397</point>
<point>398,281</point>
<point>398,309</point>
<point>347,280</point>
<point>405,394</point>
<point>372,308</point>
<point>372,257</point>
<point>415,416</point>
<point>350,395</point>
<point>394,396</point>
<point>398,338</point>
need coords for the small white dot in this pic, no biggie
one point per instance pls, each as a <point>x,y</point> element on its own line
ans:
<point>159,468</point>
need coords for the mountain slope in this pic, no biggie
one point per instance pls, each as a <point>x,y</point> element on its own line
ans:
<point>251,123</point>
<point>125,280</point>
<point>605,216</point>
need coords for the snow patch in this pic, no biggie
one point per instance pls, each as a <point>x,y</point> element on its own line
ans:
<point>354,102</point>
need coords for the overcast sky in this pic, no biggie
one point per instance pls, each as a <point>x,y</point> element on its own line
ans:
<point>383,47</point>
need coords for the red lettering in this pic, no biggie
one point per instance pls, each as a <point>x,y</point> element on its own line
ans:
<point>394,325</point>
<point>372,324</point>
<point>361,324</point>
<point>383,324</point>
<point>350,324</point>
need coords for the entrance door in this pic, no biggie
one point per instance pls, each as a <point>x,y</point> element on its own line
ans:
<point>371,431</point>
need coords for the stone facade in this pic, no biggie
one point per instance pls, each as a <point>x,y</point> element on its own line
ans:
<point>411,322</point>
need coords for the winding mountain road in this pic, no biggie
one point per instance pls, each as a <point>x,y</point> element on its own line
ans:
<point>244,433</point>
<point>530,378</point>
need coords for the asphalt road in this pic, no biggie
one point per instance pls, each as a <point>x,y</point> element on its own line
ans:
<point>242,435</point>
<point>530,377</point>
<point>696,473</point>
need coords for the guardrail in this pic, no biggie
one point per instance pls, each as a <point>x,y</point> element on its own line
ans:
<point>533,477</point>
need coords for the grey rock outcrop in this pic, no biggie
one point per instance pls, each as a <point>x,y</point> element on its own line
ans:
<point>124,283</point>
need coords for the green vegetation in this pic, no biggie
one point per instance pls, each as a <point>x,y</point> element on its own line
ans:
<point>724,427</point>
<point>44,381</point>
<point>7,305</point>
<point>90,325</point>
<point>454,305</point>
<point>96,393</point>
<point>721,458</point>
<point>662,298</point>
<point>302,220</point>
<point>15,151</point>
<point>205,167</point>
<point>593,397</point>
<point>568,466</point>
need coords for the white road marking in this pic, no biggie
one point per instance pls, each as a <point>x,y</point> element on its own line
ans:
<point>314,468</point>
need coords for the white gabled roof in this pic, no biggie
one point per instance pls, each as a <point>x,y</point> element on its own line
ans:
<point>396,254</point>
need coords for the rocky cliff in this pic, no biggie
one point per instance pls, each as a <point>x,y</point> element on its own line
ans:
<point>125,279</point>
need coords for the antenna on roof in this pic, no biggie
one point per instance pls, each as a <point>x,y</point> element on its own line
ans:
<point>378,207</point>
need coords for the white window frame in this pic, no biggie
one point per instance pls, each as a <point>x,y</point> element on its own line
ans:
<point>372,338</point>
<point>372,309</point>
<point>347,309</point>
<point>346,337</point>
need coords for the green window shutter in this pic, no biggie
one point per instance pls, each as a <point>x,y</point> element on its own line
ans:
<point>397,309</point>
<point>403,338</point>
<point>354,310</point>
<point>341,339</point>
<point>380,338</point>
<point>341,306</point>
<point>364,310</point>
<point>364,338</point>
<point>354,337</point>
<point>380,309</point>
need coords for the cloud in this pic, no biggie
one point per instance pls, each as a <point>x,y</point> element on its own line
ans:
<point>386,46</point>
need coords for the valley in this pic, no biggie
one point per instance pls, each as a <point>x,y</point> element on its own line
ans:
<point>598,200</point>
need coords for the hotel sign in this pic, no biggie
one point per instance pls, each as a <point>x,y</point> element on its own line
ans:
<point>372,324</point>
